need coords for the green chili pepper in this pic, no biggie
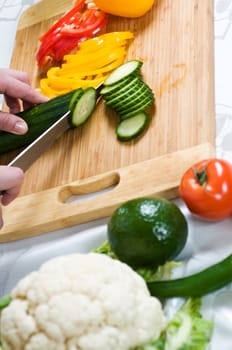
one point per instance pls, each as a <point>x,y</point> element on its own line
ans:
<point>196,285</point>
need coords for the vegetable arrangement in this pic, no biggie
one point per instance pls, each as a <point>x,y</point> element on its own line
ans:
<point>144,233</point>
<point>95,59</point>
<point>78,24</point>
<point>206,189</point>
<point>143,228</point>
<point>129,96</point>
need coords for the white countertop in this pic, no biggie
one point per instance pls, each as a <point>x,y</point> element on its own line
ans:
<point>45,246</point>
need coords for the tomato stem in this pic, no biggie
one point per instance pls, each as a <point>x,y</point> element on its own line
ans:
<point>200,176</point>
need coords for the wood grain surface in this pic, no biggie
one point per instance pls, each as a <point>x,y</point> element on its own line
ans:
<point>175,41</point>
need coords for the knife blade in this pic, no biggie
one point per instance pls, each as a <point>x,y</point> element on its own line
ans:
<point>34,150</point>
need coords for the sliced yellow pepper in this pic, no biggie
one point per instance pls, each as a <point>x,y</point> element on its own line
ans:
<point>89,66</point>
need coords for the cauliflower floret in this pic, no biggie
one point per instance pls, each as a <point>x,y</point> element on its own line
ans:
<point>81,302</point>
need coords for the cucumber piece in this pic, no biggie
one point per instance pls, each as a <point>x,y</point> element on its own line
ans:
<point>84,107</point>
<point>140,103</point>
<point>136,109</point>
<point>132,127</point>
<point>142,94</point>
<point>123,71</point>
<point>75,98</point>
<point>107,90</point>
<point>133,81</point>
<point>38,118</point>
<point>127,95</point>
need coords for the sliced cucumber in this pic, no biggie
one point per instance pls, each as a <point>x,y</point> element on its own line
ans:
<point>107,90</point>
<point>130,128</point>
<point>84,107</point>
<point>123,71</point>
<point>136,109</point>
<point>79,92</point>
<point>133,81</point>
<point>127,95</point>
<point>139,103</point>
<point>142,93</point>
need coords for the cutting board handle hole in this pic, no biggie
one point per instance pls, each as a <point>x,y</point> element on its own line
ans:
<point>89,188</point>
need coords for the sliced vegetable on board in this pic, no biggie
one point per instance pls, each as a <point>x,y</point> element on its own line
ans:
<point>95,59</point>
<point>130,128</point>
<point>80,23</point>
<point>125,91</point>
<point>206,189</point>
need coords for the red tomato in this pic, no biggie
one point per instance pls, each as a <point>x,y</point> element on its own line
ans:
<point>206,189</point>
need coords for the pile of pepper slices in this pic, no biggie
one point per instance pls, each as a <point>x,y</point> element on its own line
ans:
<point>75,55</point>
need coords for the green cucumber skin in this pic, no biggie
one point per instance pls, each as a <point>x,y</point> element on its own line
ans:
<point>139,131</point>
<point>145,92</point>
<point>110,90</point>
<point>111,80</point>
<point>134,91</point>
<point>39,118</point>
<point>197,285</point>
<point>135,103</point>
<point>138,108</point>
<point>84,107</point>
<point>132,81</point>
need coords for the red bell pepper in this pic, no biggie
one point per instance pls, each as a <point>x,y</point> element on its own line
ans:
<point>78,24</point>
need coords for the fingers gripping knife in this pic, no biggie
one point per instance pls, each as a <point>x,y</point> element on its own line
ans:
<point>34,150</point>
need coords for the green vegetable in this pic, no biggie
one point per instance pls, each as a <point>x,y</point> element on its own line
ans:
<point>5,301</point>
<point>188,330</point>
<point>131,127</point>
<point>196,285</point>
<point>129,96</point>
<point>148,273</point>
<point>147,232</point>
<point>123,71</point>
<point>84,107</point>
<point>116,87</point>
<point>40,117</point>
<point>129,99</point>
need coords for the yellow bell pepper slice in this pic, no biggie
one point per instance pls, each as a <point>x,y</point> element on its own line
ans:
<point>89,66</point>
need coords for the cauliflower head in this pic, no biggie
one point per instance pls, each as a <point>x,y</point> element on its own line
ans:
<point>81,301</point>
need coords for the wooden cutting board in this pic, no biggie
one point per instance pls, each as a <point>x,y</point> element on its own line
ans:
<point>175,41</point>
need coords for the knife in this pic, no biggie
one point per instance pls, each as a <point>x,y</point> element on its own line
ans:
<point>34,150</point>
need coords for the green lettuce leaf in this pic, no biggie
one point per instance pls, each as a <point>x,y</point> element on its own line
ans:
<point>188,330</point>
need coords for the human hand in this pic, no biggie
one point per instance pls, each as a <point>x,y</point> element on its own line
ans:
<point>11,179</point>
<point>18,94</point>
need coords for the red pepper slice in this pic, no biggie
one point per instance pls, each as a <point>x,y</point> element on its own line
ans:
<point>90,26</point>
<point>65,19</point>
<point>79,24</point>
